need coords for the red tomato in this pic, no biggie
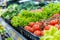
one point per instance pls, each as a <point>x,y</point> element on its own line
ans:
<point>41,33</point>
<point>31,30</point>
<point>57,26</point>
<point>27,28</point>
<point>53,22</point>
<point>36,27</point>
<point>38,33</point>
<point>31,24</point>
<point>47,27</point>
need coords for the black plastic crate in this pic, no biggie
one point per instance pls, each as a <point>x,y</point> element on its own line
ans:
<point>6,20</point>
<point>28,34</point>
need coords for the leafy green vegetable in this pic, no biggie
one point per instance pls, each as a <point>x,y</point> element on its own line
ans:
<point>2,31</point>
<point>11,11</point>
<point>8,38</point>
<point>30,5</point>
<point>14,9</point>
<point>52,34</point>
<point>25,17</point>
<point>50,10</point>
<point>51,31</point>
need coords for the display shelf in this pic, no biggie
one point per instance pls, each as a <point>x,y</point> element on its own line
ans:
<point>12,33</point>
<point>0,37</point>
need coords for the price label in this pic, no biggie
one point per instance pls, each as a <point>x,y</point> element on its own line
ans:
<point>12,33</point>
<point>19,38</point>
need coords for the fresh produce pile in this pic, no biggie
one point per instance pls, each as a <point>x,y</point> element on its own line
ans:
<point>35,28</point>
<point>54,19</point>
<point>25,17</point>
<point>50,10</point>
<point>2,30</point>
<point>30,5</point>
<point>8,38</point>
<point>52,34</point>
<point>11,11</point>
<point>14,9</point>
<point>39,27</point>
<point>52,28</point>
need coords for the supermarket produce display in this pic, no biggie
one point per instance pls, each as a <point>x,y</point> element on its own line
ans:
<point>34,22</point>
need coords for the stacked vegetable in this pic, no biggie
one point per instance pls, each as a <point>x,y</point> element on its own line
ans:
<point>35,28</point>
<point>52,28</point>
<point>11,11</point>
<point>2,30</point>
<point>39,27</point>
<point>50,10</point>
<point>25,18</point>
<point>52,34</point>
<point>30,5</point>
<point>14,9</point>
<point>8,38</point>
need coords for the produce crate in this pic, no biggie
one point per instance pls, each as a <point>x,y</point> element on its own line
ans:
<point>46,22</point>
<point>28,34</point>
<point>8,21</point>
<point>25,33</point>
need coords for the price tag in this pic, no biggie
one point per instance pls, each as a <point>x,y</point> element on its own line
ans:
<point>12,33</point>
<point>19,38</point>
